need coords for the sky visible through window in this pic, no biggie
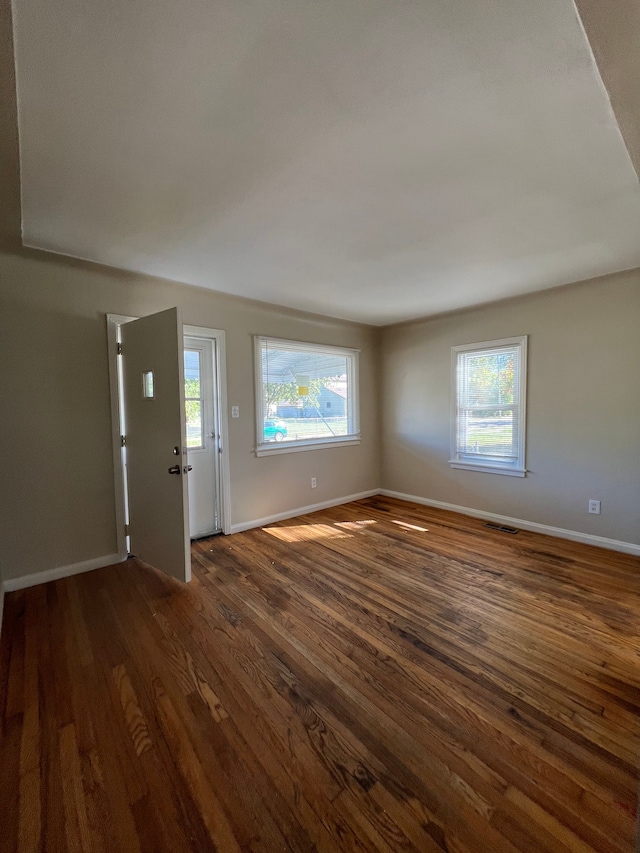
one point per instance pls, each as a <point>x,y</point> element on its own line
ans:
<point>191,364</point>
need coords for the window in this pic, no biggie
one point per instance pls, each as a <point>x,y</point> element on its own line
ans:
<point>147,385</point>
<point>193,401</point>
<point>293,381</point>
<point>488,417</point>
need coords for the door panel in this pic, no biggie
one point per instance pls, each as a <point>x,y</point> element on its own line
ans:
<point>153,379</point>
<point>202,436</point>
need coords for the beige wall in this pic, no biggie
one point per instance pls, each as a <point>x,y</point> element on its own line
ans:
<point>57,498</point>
<point>583,416</point>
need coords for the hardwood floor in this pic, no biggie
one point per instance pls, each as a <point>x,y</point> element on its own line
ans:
<point>374,677</point>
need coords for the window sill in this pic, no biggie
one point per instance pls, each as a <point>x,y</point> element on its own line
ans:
<point>296,447</point>
<point>489,469</point>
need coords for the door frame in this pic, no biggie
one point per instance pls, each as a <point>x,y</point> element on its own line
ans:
<point>114,322</point>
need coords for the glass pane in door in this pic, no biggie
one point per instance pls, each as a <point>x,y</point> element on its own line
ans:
<point>193,399</point>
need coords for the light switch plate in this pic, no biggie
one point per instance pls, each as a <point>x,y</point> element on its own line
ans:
<point>235,411</point>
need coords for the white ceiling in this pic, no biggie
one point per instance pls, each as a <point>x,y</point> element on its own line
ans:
<point>377,160</point>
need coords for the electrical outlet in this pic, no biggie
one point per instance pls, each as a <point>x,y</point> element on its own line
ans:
<point>235,411</point>
<point>594,507</point>
<point>313,483</point>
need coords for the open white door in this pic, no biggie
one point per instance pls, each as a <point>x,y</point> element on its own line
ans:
<point>153,380</point>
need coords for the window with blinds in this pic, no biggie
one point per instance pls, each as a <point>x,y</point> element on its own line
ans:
<point>488,417</point>
<point>306,395</point>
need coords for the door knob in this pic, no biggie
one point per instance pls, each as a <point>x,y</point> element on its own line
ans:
<point>175,469</point>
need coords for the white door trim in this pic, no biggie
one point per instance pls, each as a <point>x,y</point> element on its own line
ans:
<point>114,321</point>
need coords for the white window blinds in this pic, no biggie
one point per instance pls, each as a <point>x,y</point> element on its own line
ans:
<point>489,419</point>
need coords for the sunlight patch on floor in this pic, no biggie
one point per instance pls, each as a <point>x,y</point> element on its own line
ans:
<point>410,526</point>
<point>355,525</point>
<point>306,532</point>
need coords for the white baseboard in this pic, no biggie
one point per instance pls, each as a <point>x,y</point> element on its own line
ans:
<point>533,526</point>
<point>12,584</point>
<point>301,510</point>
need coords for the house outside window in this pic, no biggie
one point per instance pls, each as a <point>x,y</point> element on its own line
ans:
<point>488,406</point>
<point>306,396</point>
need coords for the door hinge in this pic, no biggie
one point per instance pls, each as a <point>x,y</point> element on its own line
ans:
<point>127,530</point>
<point>123,441</point>
<point>119,348</point>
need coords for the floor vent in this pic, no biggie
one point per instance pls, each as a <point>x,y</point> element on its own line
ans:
<point>503,528</point>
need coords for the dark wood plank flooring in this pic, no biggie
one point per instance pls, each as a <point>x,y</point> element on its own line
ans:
<point>374,677</point>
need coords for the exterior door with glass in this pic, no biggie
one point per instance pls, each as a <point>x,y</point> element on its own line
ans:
<point>203,435</point>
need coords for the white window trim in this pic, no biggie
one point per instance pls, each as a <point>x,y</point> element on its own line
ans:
<point>353,405</point>
<point>517,468</point>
